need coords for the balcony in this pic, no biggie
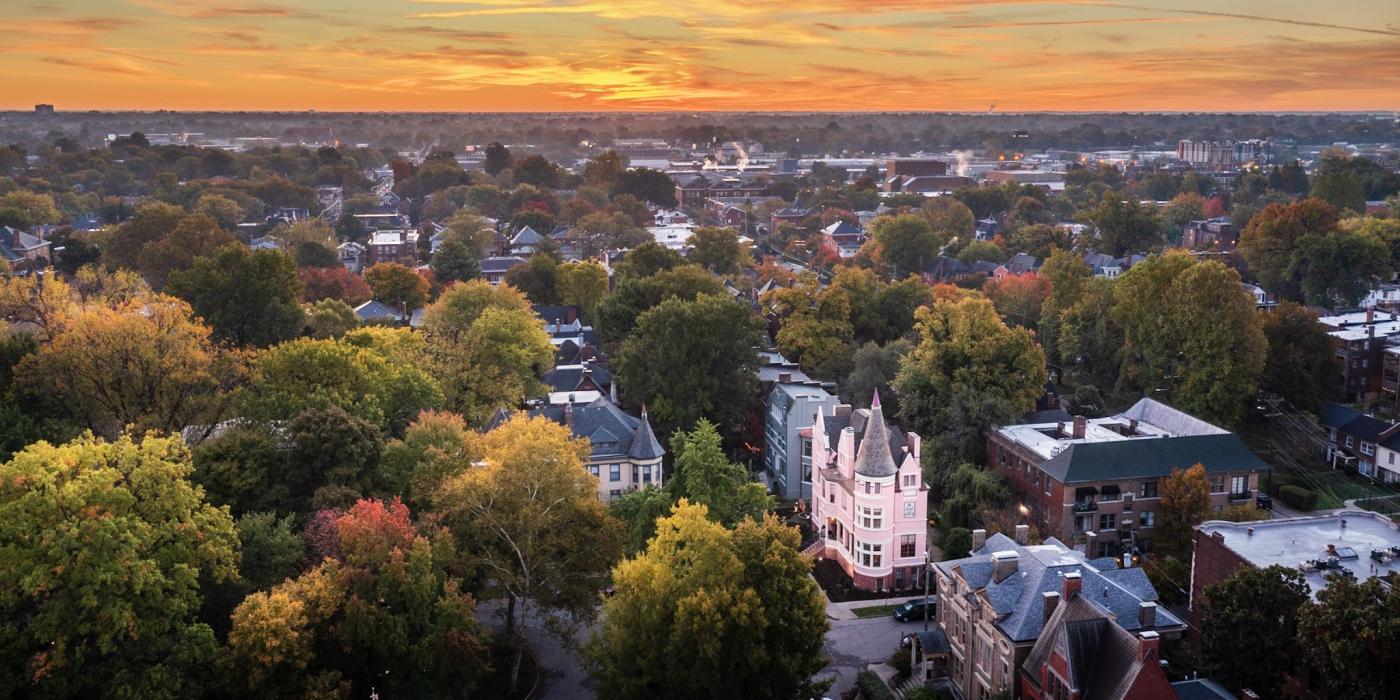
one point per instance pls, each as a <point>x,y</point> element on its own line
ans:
<point>1242,496</point>
<point>1085,506</point>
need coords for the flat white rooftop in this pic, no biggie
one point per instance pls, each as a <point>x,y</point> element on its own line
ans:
<point>1154,420</point>
<point>1290,542</point>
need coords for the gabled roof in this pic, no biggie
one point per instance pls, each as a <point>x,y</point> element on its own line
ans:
<point>14,243</point>
<point>1101,658</point>
<point>576,377</point>
<point>611,431</point>
<point>526,236</point>
<point>1201,689</point>
<point>1149,457</point>
<point>1350,421</point>
<point>500,264</point>
<point>377,311</point>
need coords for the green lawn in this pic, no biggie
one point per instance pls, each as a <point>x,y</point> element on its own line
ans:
<point>875,611</point>
<point>1336,487</point>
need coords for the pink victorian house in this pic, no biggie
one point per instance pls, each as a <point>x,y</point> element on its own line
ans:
<point>869,499</point>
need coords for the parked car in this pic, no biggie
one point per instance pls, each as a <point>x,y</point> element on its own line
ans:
<point>1264,501</point>
<point>916,609</point>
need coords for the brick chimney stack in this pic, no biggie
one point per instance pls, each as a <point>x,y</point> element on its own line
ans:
<point>1148,643</point>
<point>1072,584</point>
<point>569,412</point>
<point>1147,614</point>
<point>1049,600</point>
<point>1023,534</point>
<point>979,538</point>
<point>1080,423</point>
<point>1004,565</point>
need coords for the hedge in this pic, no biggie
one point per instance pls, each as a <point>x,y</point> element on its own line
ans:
<point>1298,497</point>
<point>871,687</point>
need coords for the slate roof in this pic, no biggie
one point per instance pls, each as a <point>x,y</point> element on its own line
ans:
<point>14,243</point>
<point>556,313</point>
<point>377,311</point>
<point>1040,569</point>
<point>1021,263</point>
<point>873,457</point>
<point>1201,689</point>
<point>1350,421</point>
<point>934,640</point>
<point>526,236</point>
<point>1148,457</point>
<point>612,432</point>
<point>859,421</point>
<point>500,264</point>
<point>570,377</point>
<point>1101,658</point>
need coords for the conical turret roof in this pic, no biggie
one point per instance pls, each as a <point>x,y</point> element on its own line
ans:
<point>873,458</point>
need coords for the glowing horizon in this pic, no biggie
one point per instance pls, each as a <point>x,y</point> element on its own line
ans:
<point>748,55</point>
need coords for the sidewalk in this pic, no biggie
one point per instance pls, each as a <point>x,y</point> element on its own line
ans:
<point>843,611</point>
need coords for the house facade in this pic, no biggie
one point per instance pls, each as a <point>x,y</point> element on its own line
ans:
<point>994,605</point>
<point>1361,339</point>
<point>1093,482</point>
<point>869,501</point>
<point>624,453</point>
<point>1362,442</point>
<point>16,245</point>
<point>793,405</point>
<point>1084,653</point>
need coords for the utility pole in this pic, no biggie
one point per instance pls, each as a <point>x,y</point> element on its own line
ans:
<point>928,571</point>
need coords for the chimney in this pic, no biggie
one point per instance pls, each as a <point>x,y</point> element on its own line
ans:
<point>570,314</point>
<point>784,377</point>
<point>1023,534</point>
<point>1370,314</point>
<point>1049,600</point>
<point>1132,426</point>
<point>1072,583</point>
<point>569,412</point>
<point>1148,643</point>
<point>979,538</point>
<point>1060,429</point>
<point>1147,614</point>
<point>842,410</point>
<point>1004,564</point>
<point>1079,425</point>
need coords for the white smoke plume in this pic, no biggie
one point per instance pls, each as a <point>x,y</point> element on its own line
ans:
<point>964,161</point>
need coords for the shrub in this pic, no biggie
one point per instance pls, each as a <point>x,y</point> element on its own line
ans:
<point>1298,497</point>
<point>900,662</point>
<point>1277,481</point>
<point>1242,514</point>
<point>871,687</point>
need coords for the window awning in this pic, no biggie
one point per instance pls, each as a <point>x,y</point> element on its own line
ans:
<point>1086,491</point>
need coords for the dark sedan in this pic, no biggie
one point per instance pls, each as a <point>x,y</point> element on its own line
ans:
<point>916,609</point>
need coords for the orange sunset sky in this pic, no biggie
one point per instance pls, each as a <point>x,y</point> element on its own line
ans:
<point>528,55</point>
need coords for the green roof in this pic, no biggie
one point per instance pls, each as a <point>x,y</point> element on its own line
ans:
<point>1149,457</point>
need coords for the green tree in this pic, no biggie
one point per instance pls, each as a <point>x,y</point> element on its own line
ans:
<point>497,158</point>
<point>1087,340</point>
<point>704,475</point>
<point>582,283</point>
<point>707,612</point>
<point>383,615</point>
<point>639,509</point>
<point>815,323</point>
<point>1342,190</point>
<point>455,262</point>
<point>248,298</point>
<point>1249,637</point>
<point>691,360</point>
<point>192,237</point>
<point>1302,364</point>
<point>1183,209</point>
<point>436,446</point>
<point>148,224</point>
<point>1019,298</point>
<point>716,249</point>
<point>1185,503</point>
<point>332,458</point>
<point>618,314</point>
<point>538,278</point>
<point>1039,240</point>
<point>1299,252</point>
<point>145,365</point>
<point>101,548</point>
<point>271,551</point>
<point>397,285</point>
<point>604,169</point>
<point>905,243</point>
<point>1123,227</point>
<point>531,516</point>
<point>968,371</point>
<point>648,259</point>
<point>987,251</point>
<point>644,183</point>
<point>330,318</point>
<point>306,374</point>
<point>873,369</point>
<point>487,348</point>
<point>1353,635</point>
<point>1158,304</point>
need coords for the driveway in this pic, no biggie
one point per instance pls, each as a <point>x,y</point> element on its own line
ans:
<point>852,644</point>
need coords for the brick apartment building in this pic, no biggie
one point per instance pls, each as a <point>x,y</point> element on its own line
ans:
<point>1093,482</point>
<point>1361,339</point>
